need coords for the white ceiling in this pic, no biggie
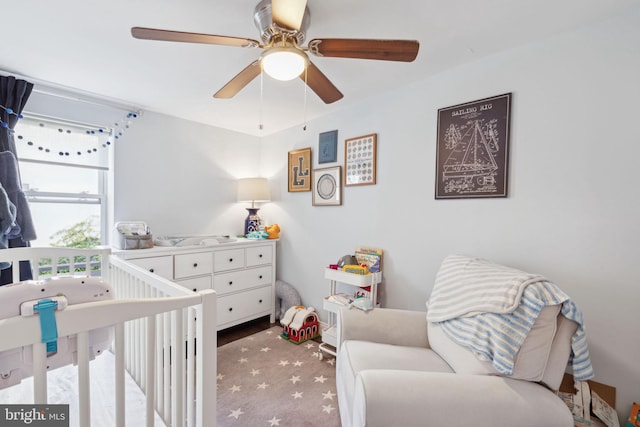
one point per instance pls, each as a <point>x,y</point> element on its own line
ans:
<point>87,46</point>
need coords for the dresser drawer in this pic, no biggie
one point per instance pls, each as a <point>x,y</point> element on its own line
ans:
<point>161,265</point>
<point>189,265</point>
<point>231,259</point>
<point>244,279</point>
<point>196,284</point>
<point>235,307</point>
<point>260,255</point>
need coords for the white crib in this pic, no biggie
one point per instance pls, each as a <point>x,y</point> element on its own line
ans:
<point>169,355</point>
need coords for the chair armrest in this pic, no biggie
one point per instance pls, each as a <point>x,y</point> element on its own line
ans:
<point>385,398</point>
<point>383,325</point>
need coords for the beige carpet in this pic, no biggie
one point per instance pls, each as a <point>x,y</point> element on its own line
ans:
<point>264,380</point>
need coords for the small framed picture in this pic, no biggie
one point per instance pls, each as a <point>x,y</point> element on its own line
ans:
<point>360,160</point>
<point>327,186</point>
<point>300,170</point>
<point>328,147</point>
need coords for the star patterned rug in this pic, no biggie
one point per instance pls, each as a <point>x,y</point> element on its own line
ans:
<point>265,380</point>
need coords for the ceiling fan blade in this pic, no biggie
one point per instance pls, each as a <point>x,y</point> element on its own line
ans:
<point>386,50</point>
<point>180,36</point>
<point>321,85</point>
<point>288,14</point>
<point>237,83</point>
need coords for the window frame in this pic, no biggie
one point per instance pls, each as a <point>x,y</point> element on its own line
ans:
<point>102,197</point>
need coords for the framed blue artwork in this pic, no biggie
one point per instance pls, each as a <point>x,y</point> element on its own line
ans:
<point>328,147</point>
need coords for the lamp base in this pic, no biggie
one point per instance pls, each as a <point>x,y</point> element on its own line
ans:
<point>253,222</point>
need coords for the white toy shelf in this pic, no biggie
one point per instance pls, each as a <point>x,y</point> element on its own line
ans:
<point>332,303</point>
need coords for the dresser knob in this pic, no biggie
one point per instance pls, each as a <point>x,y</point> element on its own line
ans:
<point>260,301</point>
<point>195,264</point>
<point>260,256</point>
<point>151,270</point>
<point>230,308</point>
<point>230,283</point>
<point>195,290</point>
<point>230,259</point>
<point>260,277</point>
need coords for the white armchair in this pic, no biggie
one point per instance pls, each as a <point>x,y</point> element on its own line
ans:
<point>388,375</point>
<point>396,369</point>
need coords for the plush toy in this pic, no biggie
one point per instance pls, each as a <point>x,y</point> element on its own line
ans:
<point>273,230</point>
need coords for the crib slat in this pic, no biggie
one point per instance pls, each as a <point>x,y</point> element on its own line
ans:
<point>207,360</point>
<point>167,368</point>
<point>39,373</point>
<point>177,369</point>
<point>191,372</point>
<point>83,379</point>
<point>120,374</point>
<point>159,363</point>
<point>150,363</point>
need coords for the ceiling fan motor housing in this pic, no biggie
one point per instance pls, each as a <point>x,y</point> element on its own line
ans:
<point>262,18</point>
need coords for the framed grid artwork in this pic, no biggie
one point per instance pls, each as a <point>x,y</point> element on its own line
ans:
<point>360,160</point>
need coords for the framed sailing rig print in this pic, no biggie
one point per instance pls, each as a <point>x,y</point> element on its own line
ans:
<point>473,149</point>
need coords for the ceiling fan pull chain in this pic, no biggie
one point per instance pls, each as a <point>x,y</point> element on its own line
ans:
<point>261,125</point>
<point>304,113</point>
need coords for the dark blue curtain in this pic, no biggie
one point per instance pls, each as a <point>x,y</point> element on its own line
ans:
<point>14,94</point>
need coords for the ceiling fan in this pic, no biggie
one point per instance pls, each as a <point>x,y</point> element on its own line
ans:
<point>282,25</point>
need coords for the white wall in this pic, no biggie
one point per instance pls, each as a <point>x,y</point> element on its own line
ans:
<point>572,211</point>
<point>180,176</point>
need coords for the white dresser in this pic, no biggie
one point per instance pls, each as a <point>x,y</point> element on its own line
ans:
<point>243,274</point>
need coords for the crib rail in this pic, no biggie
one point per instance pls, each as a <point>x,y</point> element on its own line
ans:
<point>44,262</point>
<point>185,391</point>
<point>161,329</point>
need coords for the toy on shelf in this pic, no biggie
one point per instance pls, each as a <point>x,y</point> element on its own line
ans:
<point>273,231</point>
<point>300,324</point>
<point>356,269</point>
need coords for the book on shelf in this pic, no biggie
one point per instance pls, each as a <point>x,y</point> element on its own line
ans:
<point>371,257</point>
<point>342,299</point>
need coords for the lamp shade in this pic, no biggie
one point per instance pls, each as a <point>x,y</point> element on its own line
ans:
<point>253,190</point>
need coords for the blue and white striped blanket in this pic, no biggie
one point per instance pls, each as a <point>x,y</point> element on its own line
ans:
<point>490,309</point>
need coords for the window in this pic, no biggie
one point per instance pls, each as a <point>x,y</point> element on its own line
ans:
<point>64,170</point>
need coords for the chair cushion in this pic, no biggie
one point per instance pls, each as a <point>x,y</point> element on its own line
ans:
<point>530,361</point>
<point>357,356</point>
<point>559,354</point>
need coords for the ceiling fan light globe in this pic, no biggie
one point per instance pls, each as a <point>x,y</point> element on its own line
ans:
<point>283,63</point>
